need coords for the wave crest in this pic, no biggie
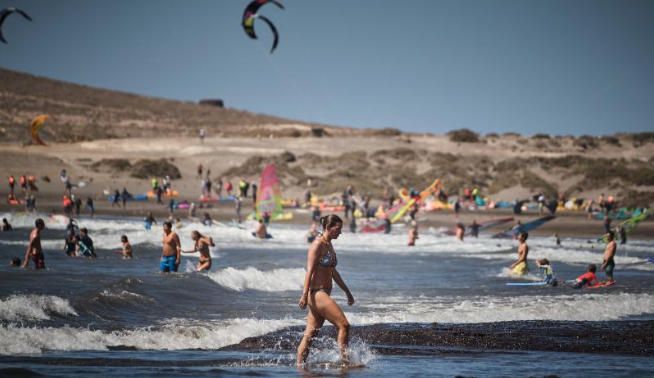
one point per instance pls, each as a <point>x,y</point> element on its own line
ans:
<point>253,279</point>
<point>33,307</point>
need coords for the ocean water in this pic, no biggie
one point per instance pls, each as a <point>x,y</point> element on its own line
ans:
<point>115,317</point>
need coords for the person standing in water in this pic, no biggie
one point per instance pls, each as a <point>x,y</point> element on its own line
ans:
<point>321,271</point>
<point>172,250</point>
<point>608,264</point>
<point>85,244</point>
<point>460,231</point>
<point>202,244</point>
<point>127,248</point>
<point>474,229</point>
<point>34,250</point>
<point>520,267</point>
<point>413,233</point>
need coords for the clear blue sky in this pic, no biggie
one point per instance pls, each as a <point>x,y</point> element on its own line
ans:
<point>528,66</point>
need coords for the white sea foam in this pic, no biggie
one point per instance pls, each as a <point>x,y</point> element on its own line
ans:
<point>584,307</point>
<point>254,279</point>
<point>175,335</point>
<point>33,307</point>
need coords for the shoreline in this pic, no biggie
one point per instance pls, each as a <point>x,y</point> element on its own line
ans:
<point>566,224</point>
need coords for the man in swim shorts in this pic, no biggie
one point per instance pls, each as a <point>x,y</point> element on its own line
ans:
<point>34,250</point>
<point>608,263</point>
<point>519,267</point>
<point>172,250</point>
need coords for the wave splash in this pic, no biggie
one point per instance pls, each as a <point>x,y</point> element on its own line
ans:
<point>34,307</point>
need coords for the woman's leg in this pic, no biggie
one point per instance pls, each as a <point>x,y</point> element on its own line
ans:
<point>314,322</point>
<point>331,311</point>
<point>204,265</point>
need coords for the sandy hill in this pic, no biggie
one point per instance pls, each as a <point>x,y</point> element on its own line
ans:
<point>84,113</point>
<point>106,135</point>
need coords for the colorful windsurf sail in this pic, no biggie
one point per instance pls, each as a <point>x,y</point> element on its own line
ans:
<point>269,195</point>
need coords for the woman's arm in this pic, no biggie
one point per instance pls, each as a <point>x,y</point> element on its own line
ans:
<point>339,281</point>
<point>312,261</point>
<point>27,254</point>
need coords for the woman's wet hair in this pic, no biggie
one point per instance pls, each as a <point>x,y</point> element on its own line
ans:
<point>196,233</point>
<point>329,221</point>
<point>123,238</point>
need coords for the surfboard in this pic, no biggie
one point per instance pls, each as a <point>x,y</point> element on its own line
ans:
<point>602,284</point>
<point>540,283</point>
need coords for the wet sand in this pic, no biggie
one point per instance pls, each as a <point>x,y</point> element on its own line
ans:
<point>628,337</point>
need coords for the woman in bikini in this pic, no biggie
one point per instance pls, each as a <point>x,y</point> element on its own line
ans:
<point>202,244</point>
<point>321,270</point>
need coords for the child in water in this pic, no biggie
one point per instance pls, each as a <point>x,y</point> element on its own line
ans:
<point>586,279</point>
<point>127,248</point>
<point>544,265</point>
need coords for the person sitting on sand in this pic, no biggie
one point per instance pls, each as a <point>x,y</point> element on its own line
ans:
<point>5,225</point>
<point>85,244</point>
<point>202,244</point>
<point>586,279</point>
<point>608,263</point>
<point>460,231</point>
<point>34,250</point>
<point>548,272</point>
<point>413,233</point>
<point>519,267</point>
<point>261,231</point>
<point>127,248</point>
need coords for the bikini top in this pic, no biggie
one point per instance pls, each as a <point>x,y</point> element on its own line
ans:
<point>328,260</point>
